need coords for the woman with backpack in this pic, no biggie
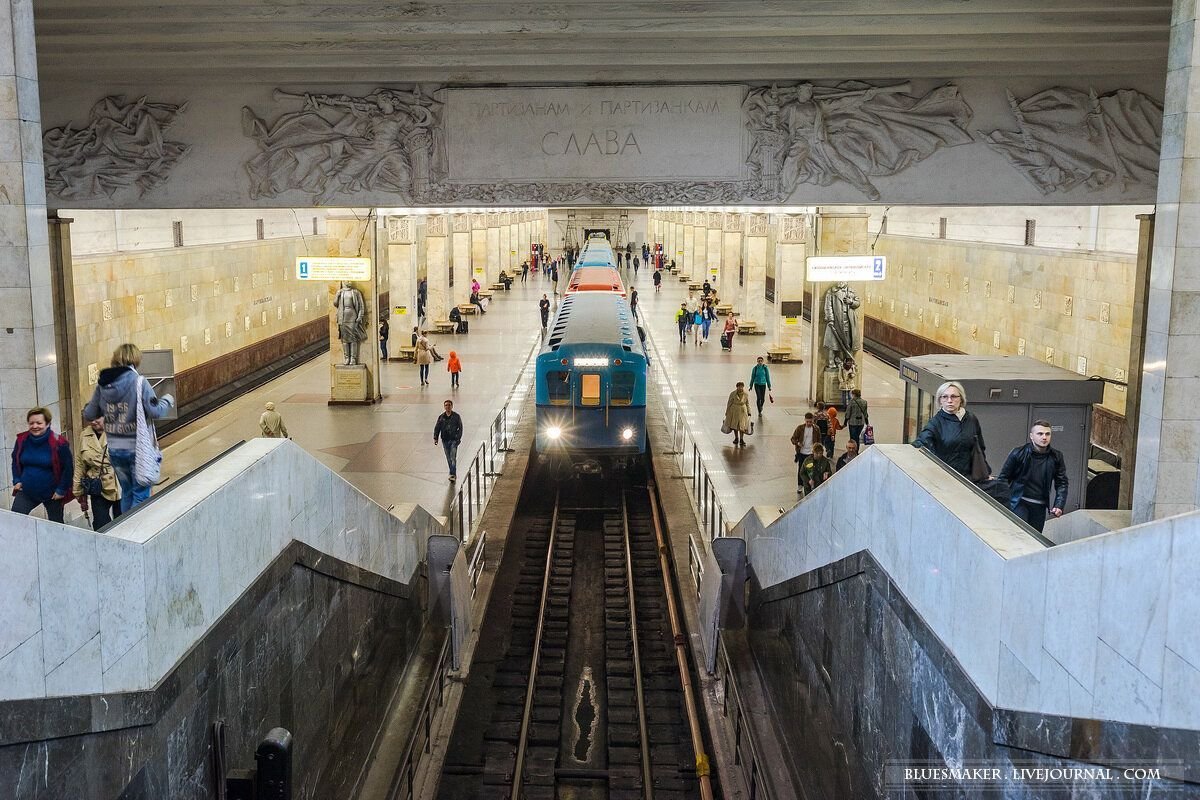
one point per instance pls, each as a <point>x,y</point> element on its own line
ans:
<point>42,467</point>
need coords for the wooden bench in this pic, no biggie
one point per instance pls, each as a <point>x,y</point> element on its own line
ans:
<point>779,353</point>
<point>445,325</point>
<point>468,308</point>
<point>695,286</point>
<point>485,294</point>
<point>405,353</point>
<point>750,329</point>
<point>724,309</point>
<point>496,287</point>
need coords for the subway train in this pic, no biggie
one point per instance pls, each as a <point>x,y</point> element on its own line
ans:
<point>595,279</point>
<point>596,252</point>
<point>590,387</point>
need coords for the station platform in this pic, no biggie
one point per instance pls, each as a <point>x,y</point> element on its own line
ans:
<point>763,473</point>
<point>386,450</point>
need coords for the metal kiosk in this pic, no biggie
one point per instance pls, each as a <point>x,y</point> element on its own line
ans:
<point>1008,393</point>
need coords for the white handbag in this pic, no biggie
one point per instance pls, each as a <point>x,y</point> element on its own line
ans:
<point>147,458</point>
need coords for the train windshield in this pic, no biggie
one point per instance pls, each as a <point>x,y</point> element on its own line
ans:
<point>589,389</point>
<point>621,393</point>
<point>558,387</point>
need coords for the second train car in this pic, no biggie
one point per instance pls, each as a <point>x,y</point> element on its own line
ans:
<point>591,386</point>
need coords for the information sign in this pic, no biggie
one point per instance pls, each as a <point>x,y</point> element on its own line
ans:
<point>333,269</point>
<point>829,269</point>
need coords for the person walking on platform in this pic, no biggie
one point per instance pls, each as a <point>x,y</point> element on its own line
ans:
<point>804,438</point>
<point>633,303</point>
<point>835,425</point>
<point>270,423</point>
<point>449,429</point>
<point>42,467</point>
<point>737,415</point>
<point>816,469</point>
<point>554,279</point>
<point>1031,470</point>
<point>708,315</point>
<point>384,331</point>
<point>544,310</point>
<point>121,396</point>
<point>424,358</point>
<point>760,381</point>
<point>681,319</point>
<point>620,255</point>
<point>636,264</point>
<point>857,417</point>
<point>95,483</point>
<point>454,367</point>
<point>729,332</point>
<point>953,434</point>
<point>657,281</point>
<point>847,377</point>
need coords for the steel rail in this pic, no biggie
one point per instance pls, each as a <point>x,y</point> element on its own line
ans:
<point>681,659</point>
<point>527,714</point>
<point>639,690</point>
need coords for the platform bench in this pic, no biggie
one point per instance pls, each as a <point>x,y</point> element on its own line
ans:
<point>468,308</point>
<point>750,329</point>
<point>446,325</point>
<point>779,354</point>
<point>496,287</point>
<point>406,353</point>
<point>724,309</point>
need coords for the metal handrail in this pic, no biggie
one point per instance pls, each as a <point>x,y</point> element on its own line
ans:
<point>403,783</point>
<point>469,501</point>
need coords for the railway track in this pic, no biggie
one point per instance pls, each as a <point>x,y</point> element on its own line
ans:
<point>587,700</point>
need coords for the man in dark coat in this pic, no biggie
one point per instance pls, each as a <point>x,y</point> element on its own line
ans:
<point>1030,470</point>
<point>449,429</point>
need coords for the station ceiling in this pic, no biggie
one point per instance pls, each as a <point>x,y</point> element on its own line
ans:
<point>476,42</point>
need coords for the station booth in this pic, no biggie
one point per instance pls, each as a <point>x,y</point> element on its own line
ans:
<point>1007,393</point>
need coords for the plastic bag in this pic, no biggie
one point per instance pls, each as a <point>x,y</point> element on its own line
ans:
<point>147,458</point>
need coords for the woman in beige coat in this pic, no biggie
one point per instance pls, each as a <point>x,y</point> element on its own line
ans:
<point>737,415</point>
<point>93,466</point>
<point>424,357</point>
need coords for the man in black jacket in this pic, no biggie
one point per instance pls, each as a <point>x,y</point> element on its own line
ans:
<point>449,429</point>
<point>1030,470</point>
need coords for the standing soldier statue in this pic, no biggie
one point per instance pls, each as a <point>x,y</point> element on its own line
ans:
<point>351,312</point>
<point>841,335</point>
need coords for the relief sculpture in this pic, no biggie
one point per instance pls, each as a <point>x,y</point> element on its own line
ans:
<point>851,132</point>
<point>123,145</point>
<point>1067,138</point>
<point>387,142</point>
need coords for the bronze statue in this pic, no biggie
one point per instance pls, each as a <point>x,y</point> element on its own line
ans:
<point>351,312</point>
<point>841,334</point>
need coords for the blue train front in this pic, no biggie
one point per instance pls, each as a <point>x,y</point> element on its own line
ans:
<point>591,385</point>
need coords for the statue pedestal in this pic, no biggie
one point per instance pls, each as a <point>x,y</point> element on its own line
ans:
<point>827,388</point>
<point>350,385</point>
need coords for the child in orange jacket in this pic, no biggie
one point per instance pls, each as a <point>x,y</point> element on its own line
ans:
<point>453,366</point>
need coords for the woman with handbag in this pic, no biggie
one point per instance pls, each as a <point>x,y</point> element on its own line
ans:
<point>760,381</point>
<point>737,415</point>
<point>857,417</point>
<point>954,434</point>
<point>127,403</point>
<point>95,481</point>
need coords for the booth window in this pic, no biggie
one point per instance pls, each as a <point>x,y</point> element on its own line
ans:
<point>589,389</point>
<point>558,387</point>
<point>622,388</point>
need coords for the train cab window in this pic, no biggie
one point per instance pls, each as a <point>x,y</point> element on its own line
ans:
<point>558,387</point>
<point>589,389</point>
<point>621,393</point>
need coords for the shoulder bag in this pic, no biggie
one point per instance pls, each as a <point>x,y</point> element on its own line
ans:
<point>147,458</point>
<point>95,486</point>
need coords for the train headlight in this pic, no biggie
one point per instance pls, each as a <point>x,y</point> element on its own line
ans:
<point>554,432</point>
<point>627,434</point>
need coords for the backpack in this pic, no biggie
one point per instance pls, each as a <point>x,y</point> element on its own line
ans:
<point>822,424</point>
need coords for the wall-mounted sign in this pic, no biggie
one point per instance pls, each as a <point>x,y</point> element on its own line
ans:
<point>828,269</point>
<point>400,310</point>
<point>333,269</point>
<point>791,320</point>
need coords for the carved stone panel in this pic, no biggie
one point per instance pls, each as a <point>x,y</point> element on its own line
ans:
<point>792,228</point>
<point>757,225</point>
<point>715,220</point>
<point>400,230</point>
<point>435,225</point>
<point>479,221</point>
<point>462,223</point>
<point>734,222</point>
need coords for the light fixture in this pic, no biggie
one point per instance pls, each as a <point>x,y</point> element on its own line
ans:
<point>627,434</point>
<point>554,432</point>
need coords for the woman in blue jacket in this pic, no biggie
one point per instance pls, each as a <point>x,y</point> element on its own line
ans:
<point>760,379</point>
<point>42,467</point>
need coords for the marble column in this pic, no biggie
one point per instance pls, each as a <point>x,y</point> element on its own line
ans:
<point>791,250</point>
<point>714,234</point>
<point>1166,477</point>
<point>492,268</point>
<point>700,248</point>
<point>524,237</point>
<point>689,247</point>
<point>504,251</point>
<point>480,248</point>
<point>513,253</point>
<point>401,266</point>
<point>835,233</point>
<point>29,364</point>
<point>437,267</point>
<point>460,257</point>
<point>731,260</point>
<point>344,237</point>
<point>754,281</point>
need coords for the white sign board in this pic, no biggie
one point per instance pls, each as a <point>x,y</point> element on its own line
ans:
<point>831,269</point>
<point>333,269</point>
<point>604,133</point>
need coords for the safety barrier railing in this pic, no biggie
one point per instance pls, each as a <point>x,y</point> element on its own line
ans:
<point>421,739</point>
<point>475,485</point>
<point>745,753</point>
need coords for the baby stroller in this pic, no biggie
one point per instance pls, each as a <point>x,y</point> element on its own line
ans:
<point>725,341</point>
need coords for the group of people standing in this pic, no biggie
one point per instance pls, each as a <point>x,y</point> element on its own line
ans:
<point>111,472</point>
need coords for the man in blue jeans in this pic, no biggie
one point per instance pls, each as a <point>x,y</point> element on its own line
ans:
<point>449,429</point>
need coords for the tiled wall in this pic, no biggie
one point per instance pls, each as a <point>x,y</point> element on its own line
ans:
<point>83,613</point>
<point>1071,309</point>
<point>201,302</point>
<point>1097,628</point>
